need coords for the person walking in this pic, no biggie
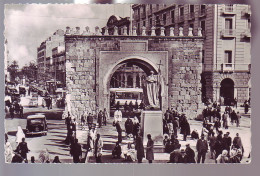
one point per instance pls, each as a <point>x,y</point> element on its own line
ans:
<point>128,126</point>
<point>185,127</point>
<point>89,120</point>
<point>139,148</point>
<point>237,142</point>
<point>22,149</point>
<point>117,116</point>
<point>202,148</point>
<point>98,148</point>
<point>149,149</point>
<point>212,142</point>
<point>119,131</point>
<point>238,119</point>
<point>190,154</point>
<point>105,116</point>
<point>100,118</point>
<point>76,151</point>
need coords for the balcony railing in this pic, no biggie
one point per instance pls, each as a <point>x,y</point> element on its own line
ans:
<point>191,15</point>
<point>229,10</point>
<point>228,33</point>
<point>230,67</point>
<point>181,19</point>
<point>246,34</point>
<point>202,12</point>
<point>246,12</point>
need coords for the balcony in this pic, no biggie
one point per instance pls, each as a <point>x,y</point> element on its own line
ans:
<point>143,15</point>
<point>228,10</point>
<point>191,15</point>
<point>246,34</point>
<point>228,33</point>
<point>231,67</point>
<point>247,12</point>
<point>202,12</point>
<point>227,67</point>
<point>181,19</point>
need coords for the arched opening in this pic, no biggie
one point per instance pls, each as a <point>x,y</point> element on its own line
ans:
<point>227,91</point>
<point>130,78</point>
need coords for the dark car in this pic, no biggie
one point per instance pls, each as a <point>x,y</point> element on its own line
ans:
<point>36,124</point>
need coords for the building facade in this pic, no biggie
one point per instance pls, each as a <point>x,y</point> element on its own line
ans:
<point>44,56</point>
<point>118,22</point>
<point>226,50</point>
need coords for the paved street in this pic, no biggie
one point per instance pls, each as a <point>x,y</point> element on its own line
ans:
<point>54,141</point>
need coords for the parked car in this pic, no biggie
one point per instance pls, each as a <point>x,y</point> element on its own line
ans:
<point>36,124</point>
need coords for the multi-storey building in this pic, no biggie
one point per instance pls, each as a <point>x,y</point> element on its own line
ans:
<point>44,56</point>
<point>58,67</point>
<point>226,51</point>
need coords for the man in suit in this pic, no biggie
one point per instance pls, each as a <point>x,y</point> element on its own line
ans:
<point>76,151</point>
<point>22,149</point>
<point>202,148</point>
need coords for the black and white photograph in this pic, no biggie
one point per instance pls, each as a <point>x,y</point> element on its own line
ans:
<point>127,83</point>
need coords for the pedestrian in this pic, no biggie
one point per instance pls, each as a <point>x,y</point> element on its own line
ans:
<point>119,131</point>
<point>11,110</point>
<point>237,142</point>
<point>142,106</point>
<point>92,137</point>
<point>190,154</point>
<point>235,102</point>
<point>139,149</point>
<point>238,119</point>
<point>223,158</point>
<point>117,116</point>
<point>183,157</point>
<point>226,143</point>
<point>82,121</point>
<point>175,155</point>
<point>19,135</point>
<point>22,149</point>
<point>136,127</point>
<point>8,152</point>
<point>246,105</point>
<point>116,153</point>
<point>98,148</point>
<point>233,116</point>
<point>74,126</point>
<point>225,118</point>
<point>212,142</point>
<point>125,106</point>
<point>89,120</point>
<point>185,127</point>
<point>128,127</point>
<point>217,125</point>
<point>44,156</point>
<point>76,151</point>
<point>105,116</point>
<point>175,126</point>
<point>56,159</point>
<point>167,144</point>
<point>218,146</point>
<point>21,111</point>
<point>234,158</point>
<point>100,118</point>
<point>170,127</point>
<point>149,149</point>
<point>32,159</point>
<point>202,148</point>
<point>136,105</point>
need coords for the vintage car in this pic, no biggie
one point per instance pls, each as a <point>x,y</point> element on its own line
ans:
<point>33,102</point>
<point>36,124</point>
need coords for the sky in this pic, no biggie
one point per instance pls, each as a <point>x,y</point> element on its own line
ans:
<point>28,25</point>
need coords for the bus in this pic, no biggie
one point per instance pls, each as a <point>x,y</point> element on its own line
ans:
<point>122,95</point>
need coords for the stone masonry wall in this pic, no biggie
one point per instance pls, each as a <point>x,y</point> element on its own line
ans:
<point>184,65</point>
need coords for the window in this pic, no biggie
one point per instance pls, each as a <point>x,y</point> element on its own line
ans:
<point>228,23</point>
<point>229,7</point>
<point>157,6</point>
<point>202,9</point>
<point>181,11</point>
<point>172,15</point>
<point>202,25</point>
<point>191,8</point>
<point>228,56</point>
<point>151,7</point>
<point>144,24</point>
<point>138,28</point>
<point>203,56</point>
<point>150,21</point>
<point>192,25</point>
<point>249,23</point>
<point>164,19</point>
<point>157,20</point>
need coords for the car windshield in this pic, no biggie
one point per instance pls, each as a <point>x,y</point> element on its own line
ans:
<point>36,121</point>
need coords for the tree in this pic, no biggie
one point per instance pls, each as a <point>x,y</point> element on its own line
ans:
<point>13,70</point>
<point>30,72</point>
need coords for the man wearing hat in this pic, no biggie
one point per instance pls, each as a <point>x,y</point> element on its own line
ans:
<point>190,154</point>
<point>202,148</point>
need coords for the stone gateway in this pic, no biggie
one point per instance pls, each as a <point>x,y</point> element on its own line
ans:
<point>91,61</point>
